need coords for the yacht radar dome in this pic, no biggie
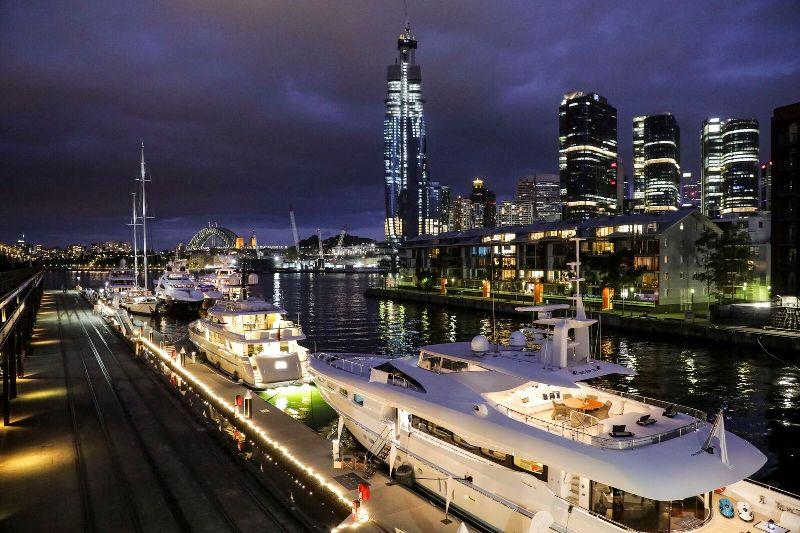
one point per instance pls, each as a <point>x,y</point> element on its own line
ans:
<point>480,344</point>
<point>517,340</point>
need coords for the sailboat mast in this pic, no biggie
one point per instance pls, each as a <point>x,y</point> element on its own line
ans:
<point>135,241</point>
<point>144,220</point>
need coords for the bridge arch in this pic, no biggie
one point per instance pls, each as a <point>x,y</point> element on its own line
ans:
<point>212,234</point>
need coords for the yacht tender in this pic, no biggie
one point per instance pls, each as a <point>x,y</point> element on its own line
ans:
<point>250,340</point>
<point>489,429</point>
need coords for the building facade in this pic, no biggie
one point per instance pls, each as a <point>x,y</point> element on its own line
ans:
<point>662,163</point>
<point>484,205</point>
<point>636,192</point>
<point>765,186</point>
<point>543,194</point>
<point>405,150</point>
<point>711,182</point>
<point>659,247</point>
<point>691,195</point>
<point>740,166</point>
<point>785,199</point>
<point>438,206</point>
<point>587,156</point>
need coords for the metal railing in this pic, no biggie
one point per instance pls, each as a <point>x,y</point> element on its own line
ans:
<point>352,366</point>
<point>583,433</point>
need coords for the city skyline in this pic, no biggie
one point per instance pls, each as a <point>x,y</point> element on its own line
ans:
<point>227,123</point>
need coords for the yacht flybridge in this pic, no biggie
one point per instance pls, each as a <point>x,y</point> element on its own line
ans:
<point>514,437</point>
<point>250,340</point>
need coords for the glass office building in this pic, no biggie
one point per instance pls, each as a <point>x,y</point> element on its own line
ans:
<point>711,167</point>
<point>587,155</point>
<point>637,191</point>
<point>662,163</point>
<point>740,166</point>
<point>405,151</point>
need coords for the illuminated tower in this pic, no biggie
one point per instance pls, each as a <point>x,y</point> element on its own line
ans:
<point>404,148</point>
<point>638,189</point>
<point>711,184</point>
<point>662,163</point>
<point>587,159</point>
<point>740,166</point>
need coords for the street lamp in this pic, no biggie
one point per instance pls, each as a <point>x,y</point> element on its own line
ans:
<point>691,294</point>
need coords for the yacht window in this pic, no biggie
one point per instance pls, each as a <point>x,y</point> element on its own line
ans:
<point>358,399</point>
<point>537,469</point>
<point>493,454</point>
<point>419,423</point>
<point>449,365</point>
<point>464,444</point>
<point>430,362</point>
<point>438,431</point>
<point>400,378</point>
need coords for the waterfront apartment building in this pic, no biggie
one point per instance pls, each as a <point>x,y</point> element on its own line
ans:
<point>711,182</point>
<point>587,159</point>
<point>758,229</point>
<point>662,163</point>
<point>658,247</point>
<point>785,199</point>
<point>636,192</point>
<point>740,166</point>
<point>543,194</point>
<point>404,146</point>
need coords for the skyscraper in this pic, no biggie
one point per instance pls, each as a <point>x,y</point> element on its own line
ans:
<point>740,166</point>
<point>662,163</point>
<point>711,167</point>
<point>587,159</point>
<point>638,189</point>
<point>460,217</point>
<point>404,146</point>
<point>542,193</point>
<point>438,205</point>
<point>484,205</point>
<point>785,199</point>
<point>765,186</point>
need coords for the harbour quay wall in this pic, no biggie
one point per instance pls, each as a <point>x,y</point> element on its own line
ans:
<point>772,340</point>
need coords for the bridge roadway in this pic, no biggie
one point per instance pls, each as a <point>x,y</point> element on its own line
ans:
<point>97,443</point>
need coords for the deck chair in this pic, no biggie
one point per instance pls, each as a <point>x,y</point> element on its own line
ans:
<point>645,420</point>
<point>593,397</point>
<point>602,413</point>
<point>579,420</point>
<point>559,411</point>
<point>670,411</point>
<point>618,430</point>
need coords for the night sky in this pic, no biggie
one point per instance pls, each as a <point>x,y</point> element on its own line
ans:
<point>248,107</point>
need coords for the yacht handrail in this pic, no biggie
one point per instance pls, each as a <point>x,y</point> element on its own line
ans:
<point>575,433</point>
<point>613,443</point>
<point>773,488</point>
<point>360,369</point>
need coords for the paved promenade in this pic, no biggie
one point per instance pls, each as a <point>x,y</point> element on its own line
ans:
<point>96,443</point>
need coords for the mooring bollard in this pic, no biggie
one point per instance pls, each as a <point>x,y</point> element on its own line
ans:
<point>248,404</point>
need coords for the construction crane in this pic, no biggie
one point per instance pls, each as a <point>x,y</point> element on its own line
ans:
<point>338,251</point>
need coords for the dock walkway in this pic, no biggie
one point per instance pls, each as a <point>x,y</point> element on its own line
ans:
<point>96,443</point>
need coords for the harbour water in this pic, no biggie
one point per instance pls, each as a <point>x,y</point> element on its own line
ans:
<point>760,393</point>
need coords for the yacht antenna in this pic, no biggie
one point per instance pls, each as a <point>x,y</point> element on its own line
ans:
<point>143,179</point>
<point>135,223</point>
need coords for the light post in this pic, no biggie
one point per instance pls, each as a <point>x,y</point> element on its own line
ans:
<point>691,295</point>
<point>624,297</point>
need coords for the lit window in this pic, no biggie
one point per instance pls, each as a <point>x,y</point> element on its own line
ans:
<point>281,365</point>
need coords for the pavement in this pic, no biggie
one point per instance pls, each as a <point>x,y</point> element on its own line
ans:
<point>97,443</point>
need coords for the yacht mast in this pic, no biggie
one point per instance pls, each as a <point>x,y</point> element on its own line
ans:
<point>143,179</point>
<point>134,223</point>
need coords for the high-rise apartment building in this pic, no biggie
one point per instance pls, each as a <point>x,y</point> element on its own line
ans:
<point>662,163</point>
<point>438,204</point>
<point>542,193</point>
<point>460,216</point>
<point>636,191</point>
<point>404,146</point>
<point>587,155</point>
<point>785,198</point>
<point>740,166</point>
<point>711,183</point>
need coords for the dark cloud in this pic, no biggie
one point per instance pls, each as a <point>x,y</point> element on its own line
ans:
<point>247,107</point>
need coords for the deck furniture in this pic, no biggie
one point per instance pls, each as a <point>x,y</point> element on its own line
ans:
<point>670,412</point>
<point>602,413</point>
<point>560,411</point>
<point>618,431</point>
<point>581,404</point>
<point>645,420</point>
